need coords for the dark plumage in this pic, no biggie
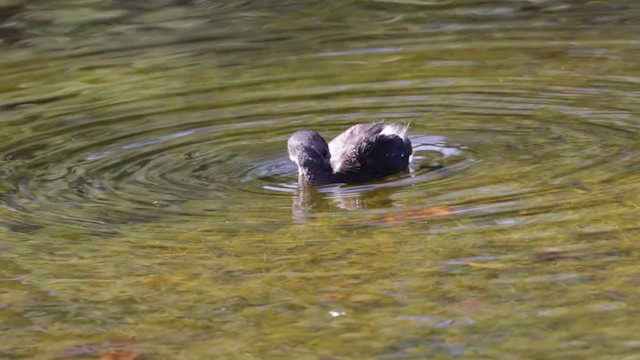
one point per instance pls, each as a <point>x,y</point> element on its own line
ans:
<point>363,152</point>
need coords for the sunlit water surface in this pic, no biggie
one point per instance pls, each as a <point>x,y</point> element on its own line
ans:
<point>148,208</point>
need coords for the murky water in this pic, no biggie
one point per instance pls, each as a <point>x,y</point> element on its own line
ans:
<point>149,209</point>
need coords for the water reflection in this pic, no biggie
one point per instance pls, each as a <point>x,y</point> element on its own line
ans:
<point>306,202</point>
<point>145,192</point>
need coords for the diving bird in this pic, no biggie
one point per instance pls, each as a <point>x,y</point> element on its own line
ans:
<point>361,153</point>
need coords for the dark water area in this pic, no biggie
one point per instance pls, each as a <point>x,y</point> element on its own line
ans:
<point>148,208</point>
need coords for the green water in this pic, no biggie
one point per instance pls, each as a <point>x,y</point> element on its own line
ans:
<point>148,207</point>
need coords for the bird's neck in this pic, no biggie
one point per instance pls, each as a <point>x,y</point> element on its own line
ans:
<point>316,176</point>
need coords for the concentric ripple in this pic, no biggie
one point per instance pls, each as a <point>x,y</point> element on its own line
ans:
<point>528,152</point>
<point>114,142</point>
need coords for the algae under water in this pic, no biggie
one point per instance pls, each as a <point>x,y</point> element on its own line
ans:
<point>147,204</point>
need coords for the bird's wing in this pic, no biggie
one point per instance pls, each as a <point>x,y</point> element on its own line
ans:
<point>371,150</point>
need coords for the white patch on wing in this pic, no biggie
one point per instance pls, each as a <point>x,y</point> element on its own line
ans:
<point>341,156</point>
<point>339,149</point>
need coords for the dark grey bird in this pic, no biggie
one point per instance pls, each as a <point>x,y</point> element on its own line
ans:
<point>361,153</point>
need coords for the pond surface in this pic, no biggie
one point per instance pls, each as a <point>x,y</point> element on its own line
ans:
<point>148,208</point>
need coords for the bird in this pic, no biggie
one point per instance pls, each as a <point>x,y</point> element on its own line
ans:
<point>363,152</point>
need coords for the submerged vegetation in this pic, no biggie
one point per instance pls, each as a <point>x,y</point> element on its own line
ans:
<point>148,209</point>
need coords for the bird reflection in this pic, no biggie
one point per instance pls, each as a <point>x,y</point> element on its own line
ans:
<point>306,202</point>
<point>310,200</point>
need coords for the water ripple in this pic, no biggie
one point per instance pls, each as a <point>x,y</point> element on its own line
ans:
<point>119,136</point>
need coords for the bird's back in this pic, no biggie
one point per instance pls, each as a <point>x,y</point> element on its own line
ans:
<point>367,151</point>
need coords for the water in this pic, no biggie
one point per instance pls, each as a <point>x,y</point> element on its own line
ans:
<point>149,211</point>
